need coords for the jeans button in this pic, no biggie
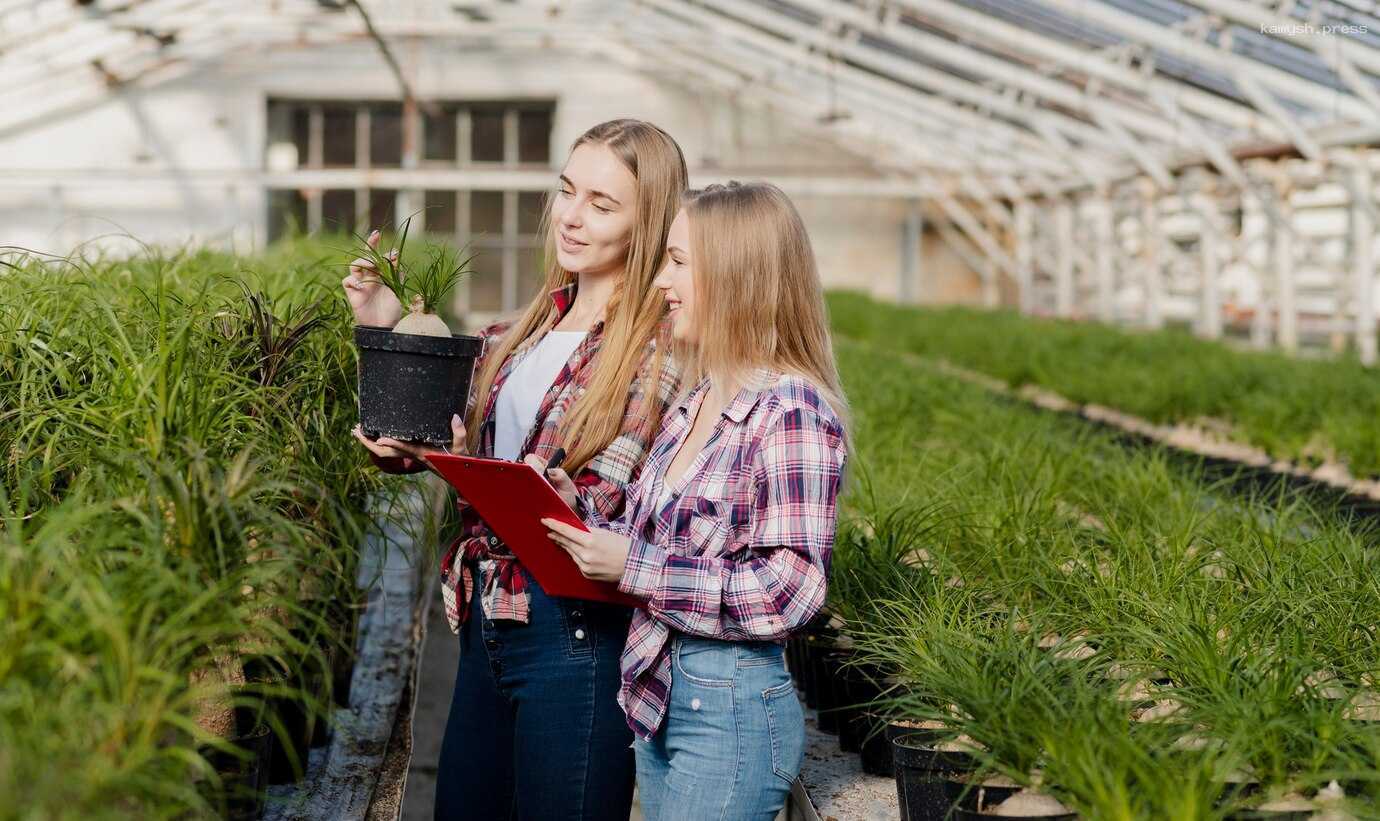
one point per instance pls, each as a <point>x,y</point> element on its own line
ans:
<point>580,633</point>
<point>694,704</point>
<point>576,614</point>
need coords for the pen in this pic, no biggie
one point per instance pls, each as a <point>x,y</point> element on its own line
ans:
<point>556,459</point>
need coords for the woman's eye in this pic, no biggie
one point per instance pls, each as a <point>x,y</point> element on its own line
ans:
<point>601,209</point>
<point>565,193</point>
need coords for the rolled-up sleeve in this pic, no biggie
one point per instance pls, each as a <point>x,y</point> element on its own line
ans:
<point>778,582</point>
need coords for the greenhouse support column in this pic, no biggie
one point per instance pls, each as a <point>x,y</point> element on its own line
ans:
<point>911,287</point>
<point>1106,237</point>
<point>410,200</point>
<point>1363,259</point>
<point>1210,306</point>
<point>1025,255</point>
<point>1288,327</point>
<point>1150,230</point>
<point>1063,270</point>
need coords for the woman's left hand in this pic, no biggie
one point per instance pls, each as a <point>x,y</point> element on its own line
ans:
<point>420,450</point>
<point>599,554</point>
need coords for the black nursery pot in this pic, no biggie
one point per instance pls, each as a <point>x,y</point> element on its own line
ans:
<point>298,720</point>
<point>410,385</point>
<point>921,786</point>
<point>976,798</point>
<point>244,777</point>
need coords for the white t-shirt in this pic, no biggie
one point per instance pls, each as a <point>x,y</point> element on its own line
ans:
<point>520,398</point>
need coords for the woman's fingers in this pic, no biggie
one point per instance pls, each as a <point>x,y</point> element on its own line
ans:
<point>375,447</point>
<point>373,240</point>
<point>397,444</point>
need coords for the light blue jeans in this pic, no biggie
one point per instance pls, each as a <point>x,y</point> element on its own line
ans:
<point>733,739</point>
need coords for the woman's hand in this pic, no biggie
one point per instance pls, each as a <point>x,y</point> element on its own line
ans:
<point>388,447</point>
<point>372,303</point>
<point>599,554</point>
<point>558,478</point>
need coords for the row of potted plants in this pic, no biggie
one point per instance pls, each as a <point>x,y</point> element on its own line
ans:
<point>180,515</point>
<point>1308,411</point>
<point>1031,610</point>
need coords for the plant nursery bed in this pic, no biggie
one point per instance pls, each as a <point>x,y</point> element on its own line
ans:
<point>1244,468</point>
<point>357,769</point>
<point>834,785</point>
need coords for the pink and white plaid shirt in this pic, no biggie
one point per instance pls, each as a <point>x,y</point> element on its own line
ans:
<point>741,549</point>
<point>599,484</point>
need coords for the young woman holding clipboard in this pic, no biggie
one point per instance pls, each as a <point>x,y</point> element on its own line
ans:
<point>534,729</point>
<point>728,529</point>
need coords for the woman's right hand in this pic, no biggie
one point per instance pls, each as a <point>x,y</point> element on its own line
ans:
<point>559,479</point>
<point>372,303</point>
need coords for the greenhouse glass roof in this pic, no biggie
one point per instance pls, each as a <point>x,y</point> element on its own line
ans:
<point>1055,94</point>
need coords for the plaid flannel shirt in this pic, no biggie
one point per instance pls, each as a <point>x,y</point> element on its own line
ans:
<point>741,549</point>
<point>600,484</point>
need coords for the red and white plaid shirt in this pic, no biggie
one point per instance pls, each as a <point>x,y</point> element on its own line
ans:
<point>600,483</point>
<point>741,549</point>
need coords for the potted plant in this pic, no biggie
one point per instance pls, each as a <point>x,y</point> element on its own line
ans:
<point>415,375</point>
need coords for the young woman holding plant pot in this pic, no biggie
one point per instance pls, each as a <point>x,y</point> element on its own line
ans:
<point>728,529</point>
<point>534,729</point>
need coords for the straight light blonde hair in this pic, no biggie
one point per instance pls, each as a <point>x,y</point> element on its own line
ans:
<point>635,310</point>
<point>759,300</point>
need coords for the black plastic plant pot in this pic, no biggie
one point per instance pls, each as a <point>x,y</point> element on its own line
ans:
<point>920,771</point>
<point>875,751</point>
<point>961,814</point>
<point>244,776</point>
<point>410,385</point>
<point>975,795</point>
<point>290,712</point>
<point>828,660</point>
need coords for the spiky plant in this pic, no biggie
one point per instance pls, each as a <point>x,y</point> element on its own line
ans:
<point>423,287</point>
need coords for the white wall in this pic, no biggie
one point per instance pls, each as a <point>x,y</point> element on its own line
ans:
<point>181,162</point>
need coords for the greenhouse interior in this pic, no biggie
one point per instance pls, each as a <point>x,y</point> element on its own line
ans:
<point>1039,468</point>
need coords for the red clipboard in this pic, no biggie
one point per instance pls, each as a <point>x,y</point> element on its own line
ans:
<point>512,499</point>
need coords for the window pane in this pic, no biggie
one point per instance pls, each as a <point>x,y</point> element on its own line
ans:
<point>530,206</point>
<point>438,135</point>
<point>440,212</point>
<point>385,135</point>
<point>486,280</point>
<point>383,203</point>
<point>486,135</point>
<point>531,276</point>
<point>289,135</point>
<point>301,133</point>
<point>287,214</point>
<point>534,136</point>
<point>486,213</point>
<point>338,210</point>
<point>338,135</point>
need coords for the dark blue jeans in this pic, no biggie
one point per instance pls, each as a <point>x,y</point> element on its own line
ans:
<point>535,730</point>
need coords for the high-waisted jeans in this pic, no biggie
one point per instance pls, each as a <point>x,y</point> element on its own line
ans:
<point>733,739</point>
<point>535,731</point>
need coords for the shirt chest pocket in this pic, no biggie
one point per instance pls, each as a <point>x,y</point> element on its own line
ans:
<point>714,518</point>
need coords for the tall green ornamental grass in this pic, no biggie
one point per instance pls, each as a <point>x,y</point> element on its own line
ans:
<point>1101,615</point>
<point>177,489</point>
<point>1294,409</point>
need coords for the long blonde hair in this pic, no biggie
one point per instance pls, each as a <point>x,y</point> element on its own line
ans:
<point>759,300</point>
<point>635,309</point>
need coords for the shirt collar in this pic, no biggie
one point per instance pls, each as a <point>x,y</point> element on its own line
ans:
<point>563,297</point>
<point>743,402</point>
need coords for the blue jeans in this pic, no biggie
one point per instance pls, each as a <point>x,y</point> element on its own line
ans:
<point>733,739</point>
<point>535,731</point>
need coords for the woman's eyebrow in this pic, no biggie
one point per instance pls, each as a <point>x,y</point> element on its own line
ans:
<point>593,192</point>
